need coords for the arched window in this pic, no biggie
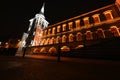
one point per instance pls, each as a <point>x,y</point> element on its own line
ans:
<point>58,39</point>
<point>71,37</point>
<point>47,41</point>
<point>108,14</point>
<point>89,35</point>
<point>64,39</point>
<point>43,42</point>
<point>115,31</point>
<point>100,33</point>
<point>52,40</point>
<point>79,36</point>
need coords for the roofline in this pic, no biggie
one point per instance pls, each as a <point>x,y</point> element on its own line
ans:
<point>82,15</point>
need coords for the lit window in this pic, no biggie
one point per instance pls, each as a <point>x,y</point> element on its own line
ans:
<point>100,33</point>
<point>89,35</point>
<point>71,38</point>
<point>45,32</point>
<point>86,21</point>
<point>58,28</point>
<point>115,31</point>
<point>108,14</point>
<point>44,41</point>
<point>58,39</point>
<point>41,43</point>
<point>42,34</point>
<point>49,31</point>
<point>96,18</point>
<point>77,22</point>
<point>52,40</point>
<point>70,24</point>
<point>64,39</point>
<point>47,41</point>
<point>53,30</point>
<point>79,36</point>
<point>64,27</point>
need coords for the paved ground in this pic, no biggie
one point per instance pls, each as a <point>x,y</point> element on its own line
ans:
<point>47,68</point>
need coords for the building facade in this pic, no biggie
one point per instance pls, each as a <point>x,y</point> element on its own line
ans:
<point>74,33</point>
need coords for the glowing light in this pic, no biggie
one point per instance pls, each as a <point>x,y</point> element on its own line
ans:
<point>118,1</point>
<point>65,49</point>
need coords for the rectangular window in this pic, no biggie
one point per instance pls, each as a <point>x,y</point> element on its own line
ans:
<point>108,14</point>
<point>77,22</point>
<point>70,24</point>
<point>58,28</point>
<point>86,21</point>
<point>45,32</point>
<point>53,30</point>
<point>64,27</point>
<point>96,18</point>
<point>49,31</point>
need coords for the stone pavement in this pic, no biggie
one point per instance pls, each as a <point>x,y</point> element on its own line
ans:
<point>47,68</point>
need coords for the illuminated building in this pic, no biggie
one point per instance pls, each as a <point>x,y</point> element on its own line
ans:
<point>74,33</point>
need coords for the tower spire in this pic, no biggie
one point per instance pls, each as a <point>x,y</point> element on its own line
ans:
<point>42,9</point>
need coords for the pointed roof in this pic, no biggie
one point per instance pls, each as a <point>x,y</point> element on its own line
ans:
<point>42,9</point>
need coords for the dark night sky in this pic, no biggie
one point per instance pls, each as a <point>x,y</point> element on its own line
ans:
<point>15,15</point>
